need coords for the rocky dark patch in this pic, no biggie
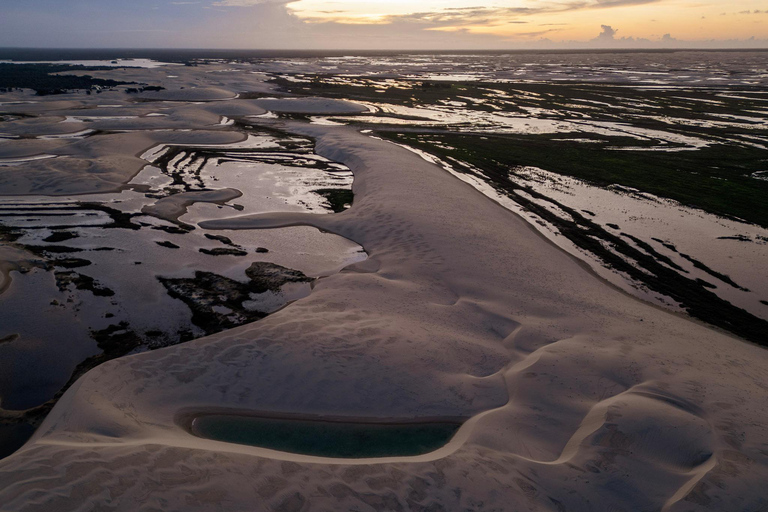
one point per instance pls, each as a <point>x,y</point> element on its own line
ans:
<point>70,263</point>
<point>262,250</point>
<point>81,282</point>
<point>167,244</point>
<point>151,88</point>
<point>220,238</point>
<point>60,236</point>
<point>217,302</point>
<point>740,238</point>
<point>9,338</point>
<point>339,199</point>
<point>224,251</point>
<point>267,276</point>
<point>9,235</point>
<point>181,229</point>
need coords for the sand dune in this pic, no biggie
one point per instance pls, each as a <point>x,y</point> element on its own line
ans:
<point>172,207</point>
<point>583,398</point>
<point>91,165</point>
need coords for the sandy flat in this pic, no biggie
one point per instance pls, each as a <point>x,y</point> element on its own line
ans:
<point>90,165</point>
<point>582,397</point>
<point>319,106</point>
<point>172,207</point>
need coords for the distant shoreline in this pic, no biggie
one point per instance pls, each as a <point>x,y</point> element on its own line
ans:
<point>202,53</point>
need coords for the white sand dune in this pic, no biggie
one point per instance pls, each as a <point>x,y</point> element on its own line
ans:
<point>91,165</point>
<point>172,207</point>
<point>13,259</point>
<point>590,399</point>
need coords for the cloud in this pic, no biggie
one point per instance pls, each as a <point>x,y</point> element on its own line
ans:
<point>448,17</point>
<point>250,3</point>
<point>608,33</point>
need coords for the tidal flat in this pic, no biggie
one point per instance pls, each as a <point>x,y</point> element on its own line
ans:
<point>565,251</point>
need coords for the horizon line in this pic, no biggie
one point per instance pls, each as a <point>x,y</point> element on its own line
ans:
<point>390,50</point>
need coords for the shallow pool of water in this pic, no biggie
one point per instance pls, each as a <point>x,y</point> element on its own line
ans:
<point>322,438</point>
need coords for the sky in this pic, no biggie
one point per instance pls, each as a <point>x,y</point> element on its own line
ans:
<point>384,24</point>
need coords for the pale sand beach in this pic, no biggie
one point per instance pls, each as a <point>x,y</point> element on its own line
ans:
<point>577,396</point>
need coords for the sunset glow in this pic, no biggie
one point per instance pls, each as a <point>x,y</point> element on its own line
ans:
<point>391,24</point>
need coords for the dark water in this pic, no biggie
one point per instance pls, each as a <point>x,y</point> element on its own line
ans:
<point>13,436</point>
<point>327,438</point>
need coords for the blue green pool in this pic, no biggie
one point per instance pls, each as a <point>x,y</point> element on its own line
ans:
<point>327,438</point>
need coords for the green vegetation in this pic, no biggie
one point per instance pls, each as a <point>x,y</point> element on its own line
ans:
<point>715,178</point>
<point>643,264</point>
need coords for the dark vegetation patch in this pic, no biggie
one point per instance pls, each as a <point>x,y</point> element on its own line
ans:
<point>167,244</point>
<point>224,251</point>
<point>47,251</point>
<point>181,229</point>
<point>713,273</point>
<point>70,262</point>
<point>38,77</point>
<point>740,238</point>
<point>653,252</point>
<point>60,236</point>
<point>9,234</point>
<point>150,88</point>
<point>81,282</point>
<point>266,276</point>
<point>714,178</point>
<point>120,219</point>
<point>253,95</point>
<point>9,338</point>
<point>219,238</point>
<point>218,302</point>
<point>339,199</point>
